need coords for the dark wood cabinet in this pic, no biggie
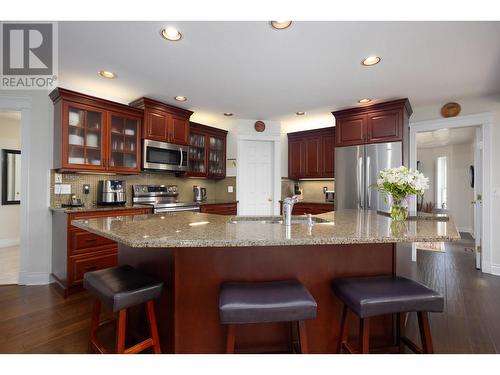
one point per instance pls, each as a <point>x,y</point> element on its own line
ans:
<point>377,123</point>
<point>76,251</point>
<point>95,135</point>
<point>220,208</point>
<point>302,208</point>
<point>311,154</point>
<point>207,151</point>
<point>164,122</point>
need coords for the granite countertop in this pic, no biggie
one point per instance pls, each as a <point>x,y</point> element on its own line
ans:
<point>312,201</point>
<point>190,229</point>
<point>127,206</point>
<point>94,208</point>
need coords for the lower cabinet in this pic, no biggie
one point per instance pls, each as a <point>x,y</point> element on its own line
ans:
<point>220,209</point>
<point>302,208</point>
<point>76,251</point>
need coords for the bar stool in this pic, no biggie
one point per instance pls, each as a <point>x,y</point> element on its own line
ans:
<point>380,295</point>
<point>265,302</point>
<point>121,288</point>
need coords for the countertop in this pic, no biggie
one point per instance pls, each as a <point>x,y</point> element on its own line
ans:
<point>312,201</point>
<point>95,208</point>
<point>191,229</point>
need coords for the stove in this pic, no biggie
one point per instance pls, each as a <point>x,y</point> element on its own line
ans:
<point>163,198</point>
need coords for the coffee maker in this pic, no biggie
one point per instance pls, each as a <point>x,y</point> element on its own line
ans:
<point>111,192</point>
<point>199,193</point>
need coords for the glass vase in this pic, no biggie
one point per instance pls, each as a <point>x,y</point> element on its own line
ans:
<point>399,211</point>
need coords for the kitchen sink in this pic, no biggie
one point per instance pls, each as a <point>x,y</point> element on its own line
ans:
<point>274,220</point>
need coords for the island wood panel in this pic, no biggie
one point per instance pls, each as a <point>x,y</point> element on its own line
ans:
<point>188,315</point>
<point>220,208</point>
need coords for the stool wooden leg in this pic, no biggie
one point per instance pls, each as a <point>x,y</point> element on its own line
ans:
<point>425,332</point>
<point>120,331</point>
<point>153,328</point>
<point>343,330</point>
<point>94,324</point>
<point>401,321</point>
<point>364,336</point>
<point>231,338</point>
<point>304,347</point>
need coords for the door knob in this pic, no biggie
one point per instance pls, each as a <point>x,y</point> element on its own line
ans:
<point>269,199</point>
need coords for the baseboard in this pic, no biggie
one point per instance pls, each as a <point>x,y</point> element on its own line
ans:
<point>34,278</point>
<point>8,242</point>
<point>495,269</point>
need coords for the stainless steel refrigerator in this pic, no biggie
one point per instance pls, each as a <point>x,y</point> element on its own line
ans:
<point>358,167</point>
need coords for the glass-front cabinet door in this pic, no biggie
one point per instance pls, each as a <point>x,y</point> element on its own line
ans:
<point>84,136</point>
<point>216,157</point>
<point>124,143</point>
<point>197,154</point>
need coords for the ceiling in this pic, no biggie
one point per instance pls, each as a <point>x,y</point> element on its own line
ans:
<point>446,137</point>
<point>256,72</point>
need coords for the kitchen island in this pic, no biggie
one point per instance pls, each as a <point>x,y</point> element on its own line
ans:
<point>193,253</point>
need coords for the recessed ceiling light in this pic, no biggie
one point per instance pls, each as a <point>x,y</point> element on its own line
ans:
<point>171,33</point>
<point>300,113</point>
<point>228,114</point>
<point>106,74</point>
<point>280,25</point>
<point>370,61</point>
<point>364,100</point>
<point>181,98</point>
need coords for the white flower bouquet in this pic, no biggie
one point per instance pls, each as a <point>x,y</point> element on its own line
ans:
<point>400,183</point>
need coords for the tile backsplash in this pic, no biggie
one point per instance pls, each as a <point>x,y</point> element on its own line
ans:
<point>311,189</point>
<point>216,189</point>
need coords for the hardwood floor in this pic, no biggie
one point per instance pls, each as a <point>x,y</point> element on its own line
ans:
<point>36,319</point>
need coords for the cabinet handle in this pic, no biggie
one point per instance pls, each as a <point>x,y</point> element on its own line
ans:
<point>90,267</point>
<point>91,240</point>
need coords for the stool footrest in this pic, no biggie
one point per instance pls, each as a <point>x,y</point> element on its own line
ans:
<point>137,348</point>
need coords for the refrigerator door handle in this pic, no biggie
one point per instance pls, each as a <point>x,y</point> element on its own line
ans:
<point>359,173</point>
<point>368,182</point>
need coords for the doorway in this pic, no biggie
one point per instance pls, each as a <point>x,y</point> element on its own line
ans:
<point>256,182</point>
<point>10,206</point>
<point>455,154</point>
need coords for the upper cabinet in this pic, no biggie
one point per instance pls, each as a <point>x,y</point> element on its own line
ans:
<point>164,122</point>
<point>311,154</point>
<point>95,135</point>
<point>381,122</point>
<point>207,151</point>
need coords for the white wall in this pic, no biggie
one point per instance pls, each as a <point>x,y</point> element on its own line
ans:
<point>460,194</point>
<point>10,215</point>
<point>36,148</point>
<point>471,106</point>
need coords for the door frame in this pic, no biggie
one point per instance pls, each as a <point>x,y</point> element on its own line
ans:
<point>276,180</point>
<point>22,105</point>
<point>483,120</point>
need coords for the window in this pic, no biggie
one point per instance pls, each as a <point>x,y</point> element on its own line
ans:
<point>441,182</point>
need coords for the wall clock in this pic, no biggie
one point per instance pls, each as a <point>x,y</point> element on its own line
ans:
<point>259,126</point>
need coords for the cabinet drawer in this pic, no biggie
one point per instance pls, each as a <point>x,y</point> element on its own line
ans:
<point>81,241</point>
<point>98,261</point>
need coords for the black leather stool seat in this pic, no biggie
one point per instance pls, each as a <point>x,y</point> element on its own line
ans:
<point>265,302</point>
<point>379,295</point>
<point>122,287</point>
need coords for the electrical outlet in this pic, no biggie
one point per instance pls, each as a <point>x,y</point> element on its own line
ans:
<point>229,189</point>
<point>57,178</point>
<point>325,188</point>
<point>62,189</point>
<point>86,188</point>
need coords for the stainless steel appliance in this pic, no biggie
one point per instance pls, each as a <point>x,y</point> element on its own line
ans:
<point>163,198</point>
<point>110,192</point>
<point>199,193</point>
<point>162,156</point>
<point>329,196</point>
<point>357,168</point>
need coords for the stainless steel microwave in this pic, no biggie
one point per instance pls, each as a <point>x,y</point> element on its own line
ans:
<point>162,156</point>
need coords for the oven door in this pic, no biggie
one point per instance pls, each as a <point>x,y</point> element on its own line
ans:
<point>162,156</point>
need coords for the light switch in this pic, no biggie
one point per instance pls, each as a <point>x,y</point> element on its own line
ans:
<point>62,189</point>
<point>229,189</point>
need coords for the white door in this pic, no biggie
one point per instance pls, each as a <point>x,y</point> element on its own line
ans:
<point>255,181</point>
<point>478,192</point>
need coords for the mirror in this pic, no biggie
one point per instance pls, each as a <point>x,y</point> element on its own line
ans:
<point>11,177</point>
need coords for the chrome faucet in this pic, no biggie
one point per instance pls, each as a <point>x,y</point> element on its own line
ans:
<point>288,208</point>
